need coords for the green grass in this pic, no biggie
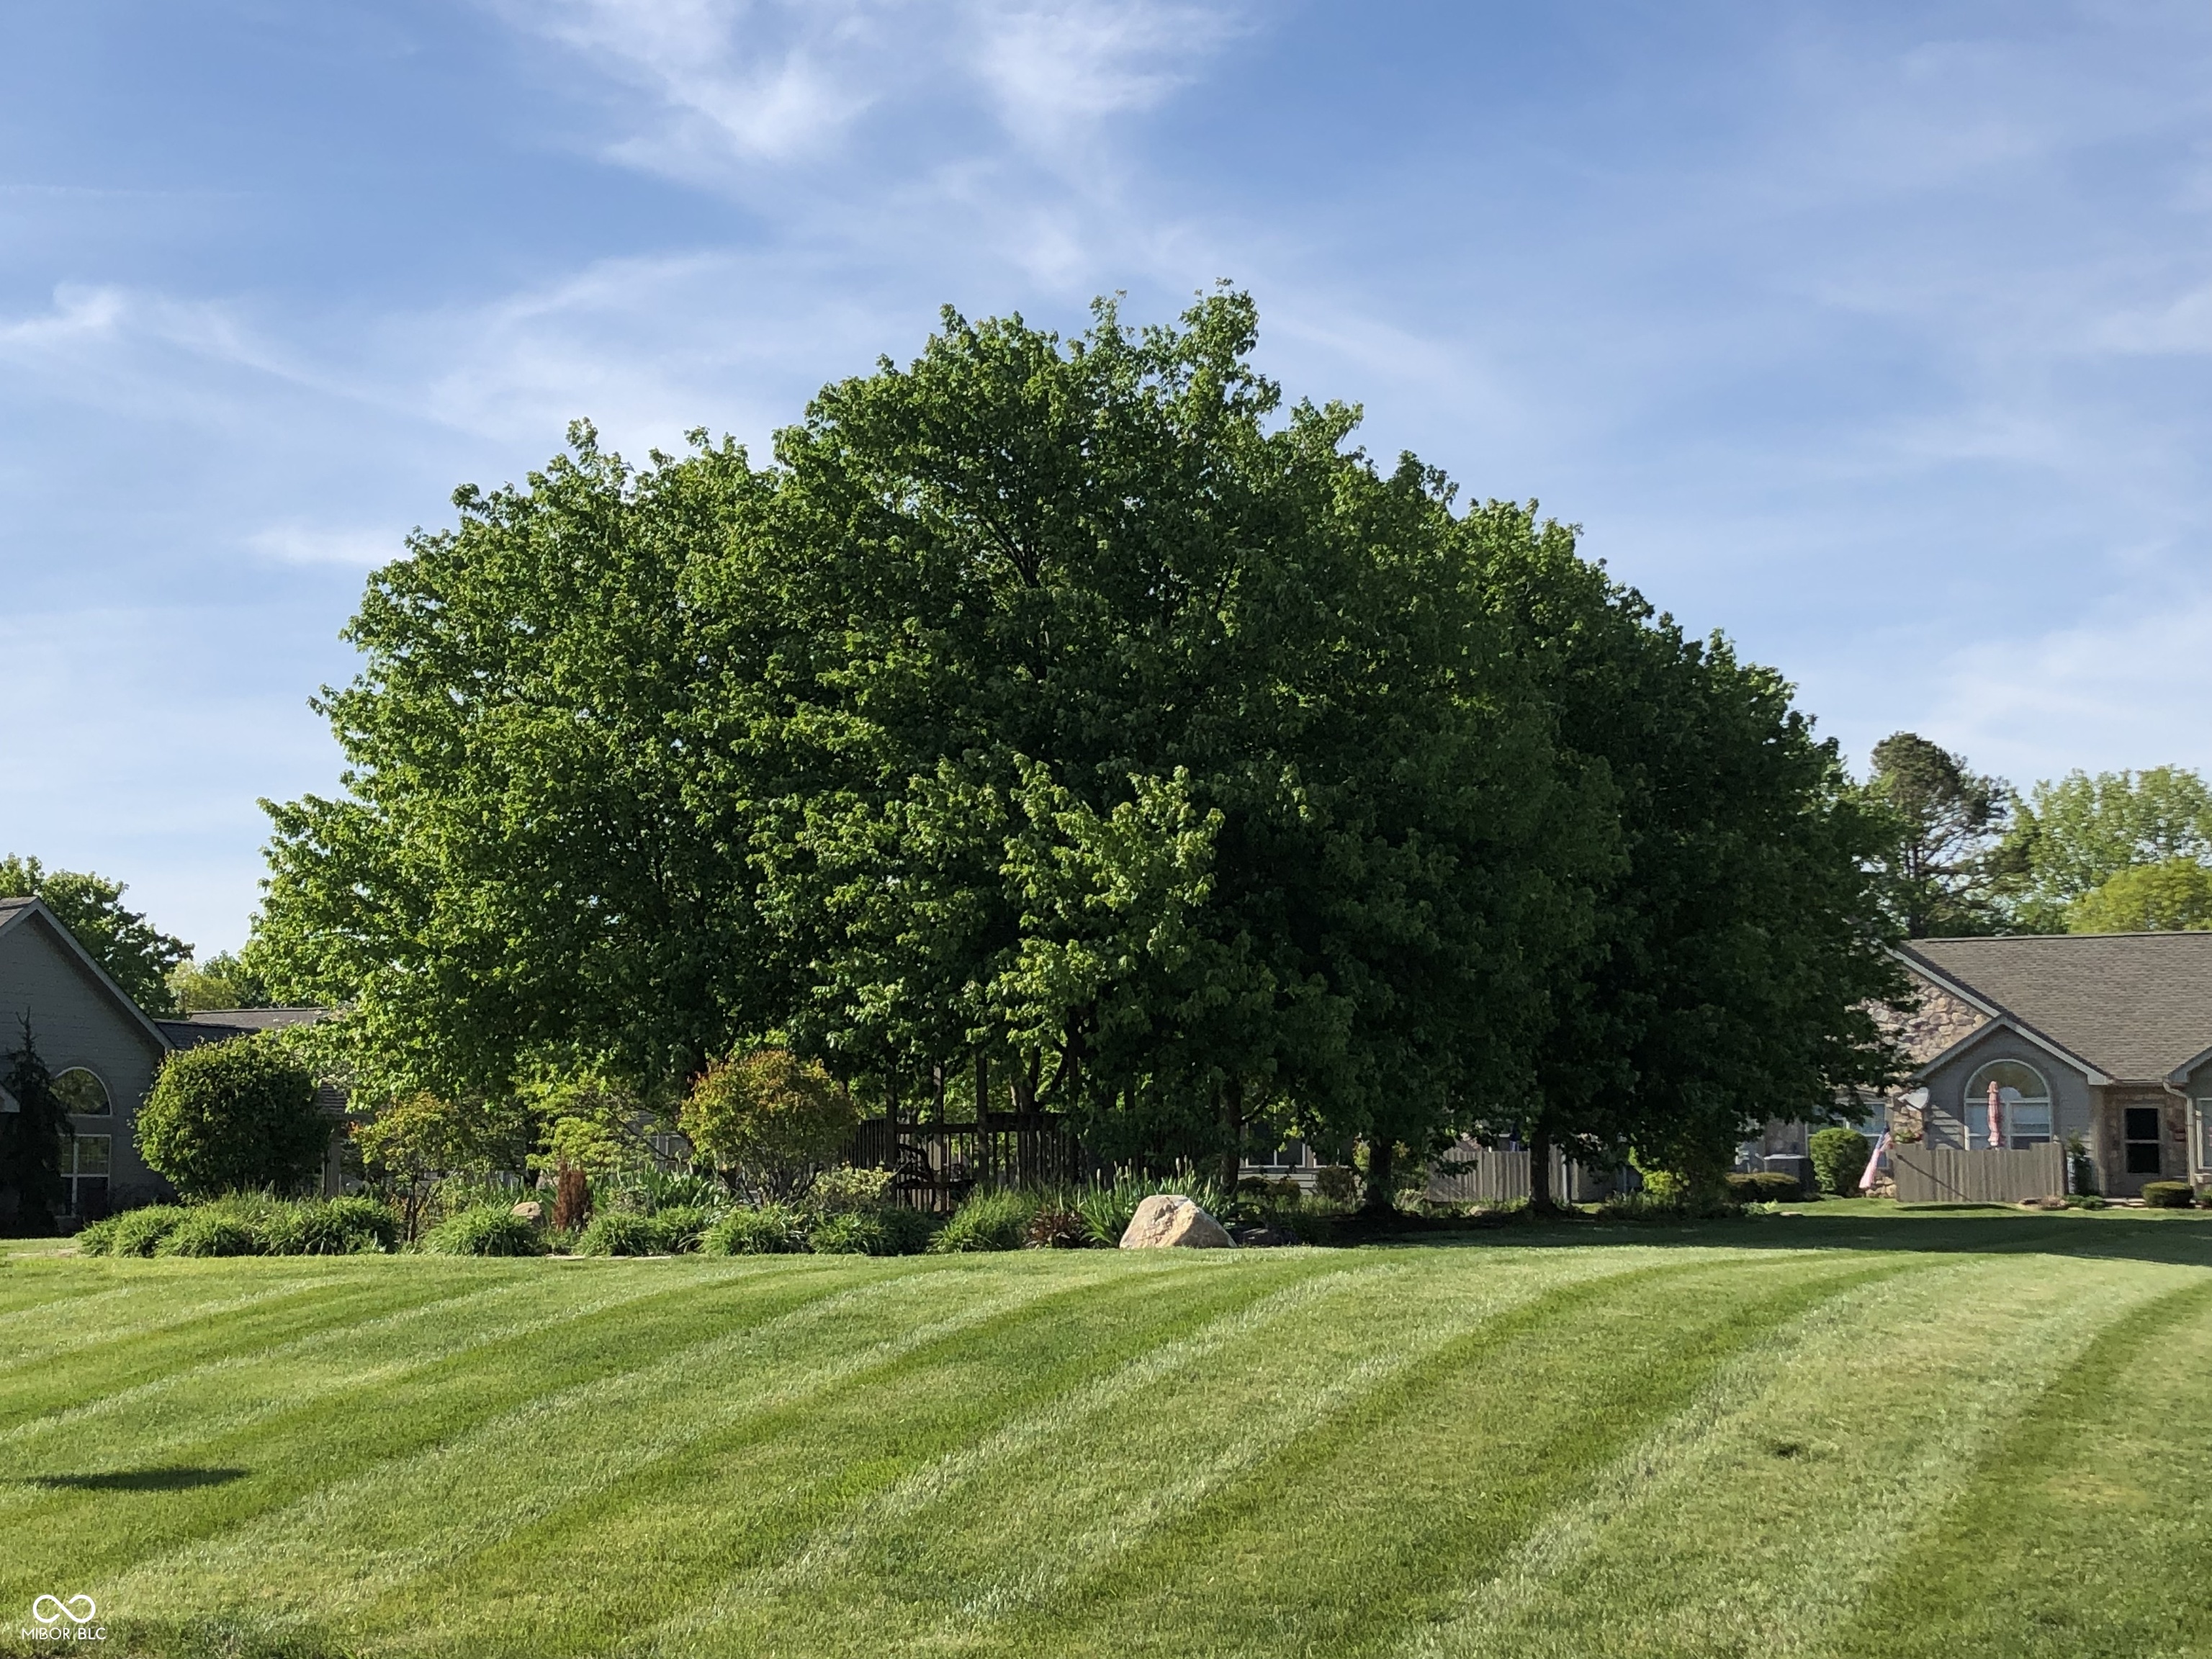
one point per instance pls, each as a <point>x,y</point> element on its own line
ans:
<point>1851,1431</point>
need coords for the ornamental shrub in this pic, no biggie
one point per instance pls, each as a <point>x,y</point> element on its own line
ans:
<point>771,1230</point>
<point>234,1117</point>
<point>484,1229</point>
<point>1767,1187</point>
<point>1839,1158</point>
<point>2167,1194</point>
<point>210,1231</point>
<point>989,1221</point>
<point>769,1120</point>
<point>847,1189</point>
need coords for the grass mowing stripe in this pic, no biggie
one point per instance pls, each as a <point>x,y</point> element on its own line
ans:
<point>2092,1516</point>
<point>104,1531</point>
<point>126,1429</point>
<point>249,1325</point>
<point>593,1572</point>
<point>342,1545</point>
<point>1384,1517</point>
<point>1837,1436</point>
<point>84,1339</point>
<point>943,1563</point>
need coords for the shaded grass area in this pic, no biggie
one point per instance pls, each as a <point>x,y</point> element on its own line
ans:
<point>1842,1434</point>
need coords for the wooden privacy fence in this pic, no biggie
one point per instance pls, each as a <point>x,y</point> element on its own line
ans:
<point>1947,1174</point>
<point>935,1165</point>
<point>1490,1175</point>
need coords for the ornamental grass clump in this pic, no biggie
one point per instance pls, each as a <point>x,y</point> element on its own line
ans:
<point>140,1232</point>
<point>770,1229</point>
<point>486,1229</point>
<point>681,1227</point>
<point>616,1232</point>
<point>888,1230</point>
<point>211,1231</point>
<point>987,1221</point>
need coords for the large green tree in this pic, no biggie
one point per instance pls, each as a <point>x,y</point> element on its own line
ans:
<point>1073,711</point>
<point>1065,704</point>
<point>137,956</point>
<point>1738,945</point>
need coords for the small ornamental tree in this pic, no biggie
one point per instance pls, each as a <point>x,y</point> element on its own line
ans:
<point>413,1141</point>
<point>235,1116</point>
<point>768,1120</point>
<point>31,1139</point>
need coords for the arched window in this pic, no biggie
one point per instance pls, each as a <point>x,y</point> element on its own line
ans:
<point>82,1094</point>
<point>2023,1104</point>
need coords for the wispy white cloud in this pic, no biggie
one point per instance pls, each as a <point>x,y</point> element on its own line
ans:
<point>294,542</point>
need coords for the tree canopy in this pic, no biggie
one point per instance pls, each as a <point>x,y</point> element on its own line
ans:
<point>2075,835</point>
<point>137,956</point>
<point>1074,708</point>
<point>1948,866</point>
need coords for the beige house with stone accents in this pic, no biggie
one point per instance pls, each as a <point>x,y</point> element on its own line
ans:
<point>2105,1037</point>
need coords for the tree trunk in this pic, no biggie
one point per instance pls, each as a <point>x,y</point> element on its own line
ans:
<point>1540,1170</point>
<point>1233,1133</point>
<point>1382,1171</point>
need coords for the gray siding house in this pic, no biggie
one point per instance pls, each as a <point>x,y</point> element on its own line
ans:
<point>2105,1037</point>
<point>100,1048</point>
<point>103,1051</point>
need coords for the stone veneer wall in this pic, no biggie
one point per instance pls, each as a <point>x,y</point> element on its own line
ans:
<point>1941,1020</point>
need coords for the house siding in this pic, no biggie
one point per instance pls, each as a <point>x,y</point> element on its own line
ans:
<point>2073,1101</point>
<point>75,1022</point>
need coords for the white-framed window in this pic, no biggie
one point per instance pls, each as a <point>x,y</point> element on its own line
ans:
<point>2023,1105</point>
<point>2204,1132</point>
<point>82,1093</point>
<point>84,1172</point>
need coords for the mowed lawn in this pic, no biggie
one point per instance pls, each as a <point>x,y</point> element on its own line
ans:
<point>1842,1434</point>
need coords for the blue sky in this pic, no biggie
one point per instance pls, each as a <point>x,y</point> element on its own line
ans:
<point>1879,336</point>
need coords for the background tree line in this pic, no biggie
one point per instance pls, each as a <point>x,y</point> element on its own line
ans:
<point>2116,851</point>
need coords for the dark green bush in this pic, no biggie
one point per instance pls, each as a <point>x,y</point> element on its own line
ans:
<point>1766,1186</point>
<point>234,1117</point>
<point>1839,1158</point>
<point>987,1221</point>
<point>770,1229</point>
<point>486,1229</point>
<point>2167,1194</point>
<point>210,1231</point>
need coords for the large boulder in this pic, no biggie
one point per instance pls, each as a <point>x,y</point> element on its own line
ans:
<point>1169,1220</point>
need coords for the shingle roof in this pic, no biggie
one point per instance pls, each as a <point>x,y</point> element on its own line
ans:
<point>2135,1005</point>
<point>214,1024</point>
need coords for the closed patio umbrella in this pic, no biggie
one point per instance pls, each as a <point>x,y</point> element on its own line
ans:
<point>1996,1118</point>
